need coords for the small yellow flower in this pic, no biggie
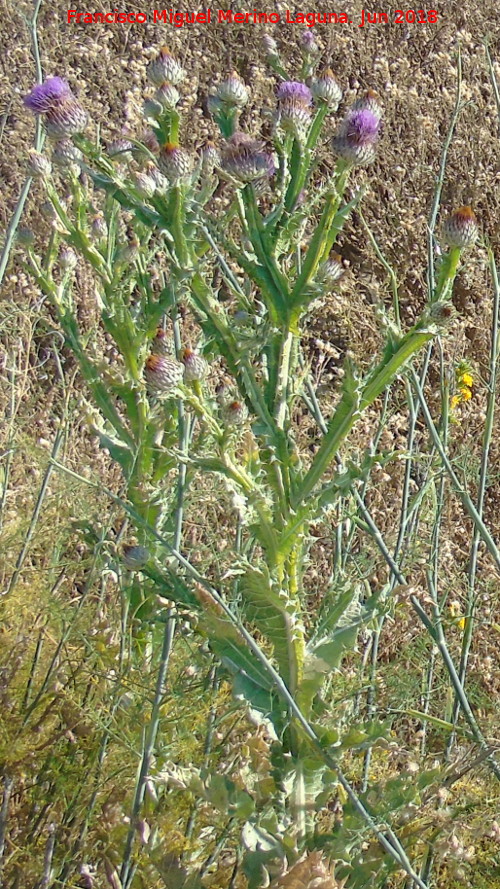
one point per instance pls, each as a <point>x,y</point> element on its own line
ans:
<point>467,379</point>
<point>465,393</point>
<point>455,401</point>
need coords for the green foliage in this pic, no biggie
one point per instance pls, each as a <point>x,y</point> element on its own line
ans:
<point>171,438</point>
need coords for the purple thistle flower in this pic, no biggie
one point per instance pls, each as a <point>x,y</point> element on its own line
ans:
<point>308,42</point>
<point>294,91</point>
<point>363,127</point>
<point>45,96</point>
<point>246,160</point>
<point>65,115</point>
<point>294,115</point>
<point>357,136</point>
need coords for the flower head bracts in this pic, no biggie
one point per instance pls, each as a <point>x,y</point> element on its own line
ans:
<point>461,229</point>
<point>294,102</point>
<point>245,159</point>
<point>165,69</point>
<point>326,89</point>
<point>357,136</point>
<point>175,163</point>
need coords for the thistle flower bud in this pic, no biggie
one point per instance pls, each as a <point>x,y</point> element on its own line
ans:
<point>48,211</point>
<point>66,119</point>
<point>461,229</point>
<point>210,158</point>
<point>160,181</point>
<point>152,109</point>
<point>25,237</point>
<point>162,343</point>
<point>167,97</point>
<point>357,136</point>
<point>121,148</point>
<point>294,115</point>
<point>326,89</point>
<point>135,556</point>
<point>144,185</point>
<point>331,270</point>
<point>270,46</point>
<point>99,228</point>
<point>65,153</point>
<point>308,43</point>
<point>39,164</point>
<point>195,366</point>
<point>246,160</point>
<point>235,413</point>
<point>68,259</point>
<point>162,373</point>
<point>165,69</point>
<point>129,252</point>
<point>150,142</point>
<point>368,102</point>
<point>175,163</point>
<point>232,92</point>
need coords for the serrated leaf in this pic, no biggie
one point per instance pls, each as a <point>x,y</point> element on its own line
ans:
<point>277,618</point>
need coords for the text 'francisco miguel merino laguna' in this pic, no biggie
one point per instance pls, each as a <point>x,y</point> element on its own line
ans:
<point>179,19</point>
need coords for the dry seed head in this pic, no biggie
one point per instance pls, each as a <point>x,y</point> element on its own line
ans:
<point>162,373</point>
<point>461,229</point>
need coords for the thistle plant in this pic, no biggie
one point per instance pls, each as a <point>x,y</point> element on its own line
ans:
<point>141,214</point>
